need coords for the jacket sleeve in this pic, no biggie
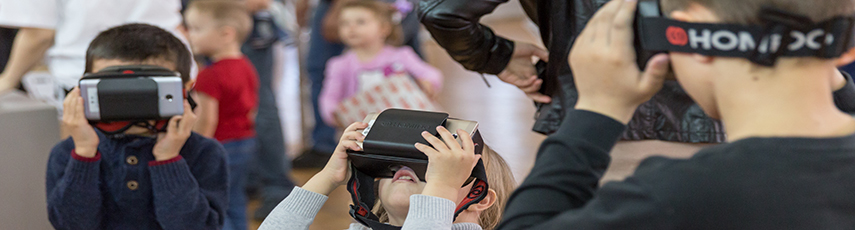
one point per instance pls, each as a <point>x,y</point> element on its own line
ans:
<point>188,197</point>
<point>454,25</point>
<point>73,192</point>
<point>561,191</point>
<point>297,211</point>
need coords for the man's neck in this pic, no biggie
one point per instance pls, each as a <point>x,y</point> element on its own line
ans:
<point>229,52</point>
<point>368,52</point>
<point>795,102</point>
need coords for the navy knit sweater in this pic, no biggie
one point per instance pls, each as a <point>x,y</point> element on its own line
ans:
<point>124,187</point>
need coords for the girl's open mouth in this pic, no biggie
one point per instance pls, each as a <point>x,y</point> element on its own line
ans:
<point>405,174</point>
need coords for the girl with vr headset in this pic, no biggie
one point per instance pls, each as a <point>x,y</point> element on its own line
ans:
<point>405,200</point>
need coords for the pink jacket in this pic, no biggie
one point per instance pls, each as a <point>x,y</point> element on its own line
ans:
<point>342,75</point>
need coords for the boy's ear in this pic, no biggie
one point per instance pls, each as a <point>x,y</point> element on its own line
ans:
<point>846,58</point>
<point>486,203</point>
<point>228,31</point>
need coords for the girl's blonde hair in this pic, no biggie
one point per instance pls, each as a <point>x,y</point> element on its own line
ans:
<point>384,11</point>
<point>499,178</point>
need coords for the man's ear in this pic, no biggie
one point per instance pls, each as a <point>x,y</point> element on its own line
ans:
<point>846,58</point>
<point>486,203</point>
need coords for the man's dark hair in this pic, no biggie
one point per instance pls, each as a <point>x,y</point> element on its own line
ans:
<point>747,12</point>
<point>140,42</point>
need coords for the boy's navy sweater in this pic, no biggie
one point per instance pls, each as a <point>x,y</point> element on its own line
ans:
<point>123,187</point>
<point>754,183</point>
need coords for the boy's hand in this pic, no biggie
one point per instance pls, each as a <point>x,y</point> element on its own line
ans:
<point>604,64</point>
<point>449,163</point>
<point>178,130</point>
<point>74,120</point>
<point>337,171</point>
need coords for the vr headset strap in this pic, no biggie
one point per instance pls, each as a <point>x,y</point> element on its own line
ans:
<point>478,191</point>
<point>784,35</point>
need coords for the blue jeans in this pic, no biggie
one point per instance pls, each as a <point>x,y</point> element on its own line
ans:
<point>269,166</point>
<point>240,152</point>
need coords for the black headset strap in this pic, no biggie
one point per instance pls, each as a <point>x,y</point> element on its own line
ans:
<point>760,44</point>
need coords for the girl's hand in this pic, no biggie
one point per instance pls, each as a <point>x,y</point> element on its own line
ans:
<point>449,163</point>
<point>337,171</point>
<point>178,130</point>
<point>428,89</point>
<point>74,121</point>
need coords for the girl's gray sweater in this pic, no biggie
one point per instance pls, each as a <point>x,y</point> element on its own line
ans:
<point>298,211</point>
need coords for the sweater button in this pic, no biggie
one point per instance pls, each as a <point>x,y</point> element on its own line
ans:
<point>133,185</point>
<point>132,160</point>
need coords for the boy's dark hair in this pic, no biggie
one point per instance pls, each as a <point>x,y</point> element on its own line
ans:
<point>140,42</point>
<point>747,12</point>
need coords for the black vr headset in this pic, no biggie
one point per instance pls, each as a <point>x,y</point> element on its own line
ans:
<point>119,97</point>
<point>783,35</point>
<point>389,145</point>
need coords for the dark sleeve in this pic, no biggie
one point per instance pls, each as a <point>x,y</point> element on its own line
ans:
<point>191,197</point>
<point>73,196</point>
<point>844,98</point>
<point>454,25</point>
<point>561,191</point>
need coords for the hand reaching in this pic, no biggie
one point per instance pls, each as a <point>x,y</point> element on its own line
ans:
<point>521,73</point>
<point>337,171</point>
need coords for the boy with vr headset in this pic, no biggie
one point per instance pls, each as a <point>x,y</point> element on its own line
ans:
<point>140,178</point>
<point>788,160</point>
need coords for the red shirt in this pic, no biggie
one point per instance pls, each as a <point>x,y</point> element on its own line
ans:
<point>234,84</point>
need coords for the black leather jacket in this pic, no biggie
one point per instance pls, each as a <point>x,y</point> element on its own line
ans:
<point>671,115</point>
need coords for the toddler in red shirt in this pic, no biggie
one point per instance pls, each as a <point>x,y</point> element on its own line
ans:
<point>227,91</point>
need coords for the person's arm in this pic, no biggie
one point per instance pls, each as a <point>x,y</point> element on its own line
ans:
<point>28,50</point>
<point>73,193</point>
<point>454,25</point>
<point>208,109</point>
<point>194,197</point>
<point>561,190</point>
<point>429,213</point>
<point>332,93</point>
<point>297,211</point>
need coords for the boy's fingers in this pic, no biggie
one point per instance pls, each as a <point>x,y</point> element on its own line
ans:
<point>621,30</point>
<point>172,126</point>
<point>352,146</point>
<point>435,142</point>
<point>654,75</point>
<point>448,138</point>
<point>599,32</point>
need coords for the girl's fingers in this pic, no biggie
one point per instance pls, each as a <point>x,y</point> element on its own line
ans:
<point>427,150</point>
<point>352,135</point>
<point>435,142</point>
<point>448,138</point>
<point>355,126</point>
<point>468,145</point>
<point>352,146</point>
